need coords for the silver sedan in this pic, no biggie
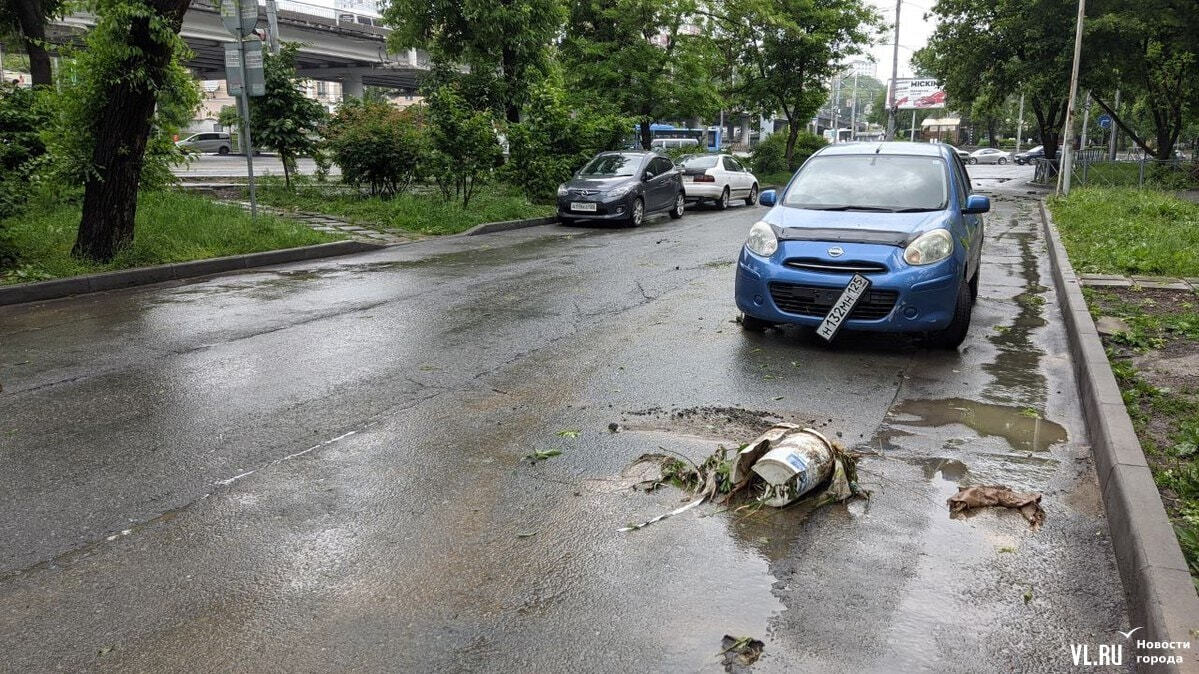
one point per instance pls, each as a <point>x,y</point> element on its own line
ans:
<point>988,155</point>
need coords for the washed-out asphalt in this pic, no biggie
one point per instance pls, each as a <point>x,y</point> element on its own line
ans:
<point>318,467</point>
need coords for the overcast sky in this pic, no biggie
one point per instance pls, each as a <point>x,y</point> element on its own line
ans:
<point>913,34</point>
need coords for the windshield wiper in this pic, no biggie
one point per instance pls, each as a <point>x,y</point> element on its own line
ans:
<point>914,210</point>
<point>852,208</point>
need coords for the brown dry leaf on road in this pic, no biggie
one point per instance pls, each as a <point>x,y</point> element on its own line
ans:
<point>1029,505</point>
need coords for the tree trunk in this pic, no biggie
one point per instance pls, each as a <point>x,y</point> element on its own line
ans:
<point>792,135</point>
<point>121,132</point>
<point>512,78</point>
<point>991,132</point>
<point>31,20</point>
<point>647,135</point>
<point>286,173</point>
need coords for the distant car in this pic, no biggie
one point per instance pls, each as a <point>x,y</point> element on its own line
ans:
<point>1029,156</point>
<point>206,142</point>
<point>962,154</point>
<point>622,186</point>
<point>718,178</point>
<point>988,155</point>
<point>882,237</point>
<point>673,143</point>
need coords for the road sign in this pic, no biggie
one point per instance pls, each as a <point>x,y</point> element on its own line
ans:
<point>253,70</point>
<point>1105,121</point>
<point>239,16</point>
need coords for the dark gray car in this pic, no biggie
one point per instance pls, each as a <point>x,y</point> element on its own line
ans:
<point>622,186</point>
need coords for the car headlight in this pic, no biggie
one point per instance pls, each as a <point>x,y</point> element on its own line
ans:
<point>929,247</point>
<point>562,191</point>
<point>620,190</point>
<point>762,240</point>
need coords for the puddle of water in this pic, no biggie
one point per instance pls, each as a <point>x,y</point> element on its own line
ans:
<point>1020,429</point>
<point>950,470</point>
<point>1016,369</point>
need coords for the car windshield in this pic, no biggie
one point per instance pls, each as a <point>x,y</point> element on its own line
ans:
<point>869,182</point>
<point>699,162</point>
<point>612,165</point>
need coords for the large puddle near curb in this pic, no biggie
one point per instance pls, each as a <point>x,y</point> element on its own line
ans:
<point>1022,428</point>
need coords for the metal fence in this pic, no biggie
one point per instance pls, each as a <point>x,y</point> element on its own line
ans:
<point>1093,169</point>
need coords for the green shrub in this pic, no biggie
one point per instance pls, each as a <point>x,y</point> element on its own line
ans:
<point>465,142</point>
<point>770,155</point>
<point>377,145</point>
<point>554,140</point>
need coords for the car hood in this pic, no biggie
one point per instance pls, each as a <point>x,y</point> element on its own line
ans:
<point>896,229</point>
<point>601,184</point>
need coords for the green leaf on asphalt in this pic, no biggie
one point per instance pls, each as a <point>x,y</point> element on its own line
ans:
<point>542,455</point>
<point>529,534</point>
<point>569,433</point>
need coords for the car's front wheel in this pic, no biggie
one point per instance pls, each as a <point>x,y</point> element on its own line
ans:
<point>637,215</point>
<point>953,336</point>
<point>680,205</point>
<point>752,199</point>
<point>972,160</point>
<point>723,202</point>
<point>751,324</point>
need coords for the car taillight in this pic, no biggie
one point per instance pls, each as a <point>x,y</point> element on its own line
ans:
<point>705,178</point>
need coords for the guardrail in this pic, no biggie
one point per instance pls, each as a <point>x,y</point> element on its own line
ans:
<point>341,16</point>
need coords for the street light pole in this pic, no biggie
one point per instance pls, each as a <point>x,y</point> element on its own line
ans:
<point>853,110</point>
<point>891,122</point>
<point>1068,158</point>
<point>1020,124</point>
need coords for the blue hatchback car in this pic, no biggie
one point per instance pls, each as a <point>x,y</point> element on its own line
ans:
<point>879,237</point>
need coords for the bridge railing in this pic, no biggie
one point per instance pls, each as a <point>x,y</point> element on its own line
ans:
<point>347,16</point>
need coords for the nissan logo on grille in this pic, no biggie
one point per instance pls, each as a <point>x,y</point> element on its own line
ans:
<point>835,251</point>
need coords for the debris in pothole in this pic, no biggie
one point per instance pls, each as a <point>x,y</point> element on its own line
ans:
<point>967,498</point>
<point>740,651</point>
<point>781,466</point>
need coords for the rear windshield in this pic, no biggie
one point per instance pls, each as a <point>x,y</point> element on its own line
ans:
<point>699,162</point>
<point>870,182</point>
<point>612,165</point>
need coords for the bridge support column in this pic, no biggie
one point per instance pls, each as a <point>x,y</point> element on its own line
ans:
<point>351,86</point>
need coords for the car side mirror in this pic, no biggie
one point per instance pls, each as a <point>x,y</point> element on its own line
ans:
<point>768,197</point>
<point>976,203</point>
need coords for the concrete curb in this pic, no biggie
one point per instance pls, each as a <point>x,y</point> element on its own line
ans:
<point>125,278</point>
<point>506,225</point>
<point>1157,584</point>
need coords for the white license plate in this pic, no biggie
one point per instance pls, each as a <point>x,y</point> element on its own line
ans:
<point>843,307</point>
<point>582,206</point>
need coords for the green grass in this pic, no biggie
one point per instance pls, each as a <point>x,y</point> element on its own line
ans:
<point>426,212</point>
<point>774,179</point>
<point>1129,231</point>
<point>1129,174</point>
<point>171,226</point>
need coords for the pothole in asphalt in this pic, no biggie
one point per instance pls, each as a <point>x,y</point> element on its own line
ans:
<point>1022,428</point>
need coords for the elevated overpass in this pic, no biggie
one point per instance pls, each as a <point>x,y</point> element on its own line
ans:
<point>336,45</point>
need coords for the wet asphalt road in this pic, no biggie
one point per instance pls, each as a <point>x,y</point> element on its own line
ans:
<point>318,467</point>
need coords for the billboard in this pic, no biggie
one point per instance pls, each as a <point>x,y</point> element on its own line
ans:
<point>919,94</point>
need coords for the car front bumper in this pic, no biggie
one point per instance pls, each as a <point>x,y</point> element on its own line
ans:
<point>606,208</point>
<point>902,298</point>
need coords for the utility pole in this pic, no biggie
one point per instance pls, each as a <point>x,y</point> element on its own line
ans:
<point>891,122</point>
<point>272,25</point>
<point>1067,164</point>
<point>853,110</point>
<point>1086,120</point>
<point>836,108</point>
<point>1111,141</point>
<point>912,137</point>
<point>1020,124</point>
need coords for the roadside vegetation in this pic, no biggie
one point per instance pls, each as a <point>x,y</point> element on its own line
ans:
<point>1154,348</point>
<point>172,226</point>
<point>1129,231</point>
<point>421,210</point>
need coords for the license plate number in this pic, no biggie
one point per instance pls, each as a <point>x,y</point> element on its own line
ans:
<point>843,307</point>
<point>582,206</point>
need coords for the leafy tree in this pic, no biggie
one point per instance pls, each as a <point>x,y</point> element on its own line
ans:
<point>123,96</point>
<point>1001,47</point>
<point>640,57</point>
<point>377,145</point>
<point>465,143</point>
<point>1149,49</point>
<point>28,18</point>
<point>787,50</point>
<point>770,155</point>
<point>508,38</point>
<point>554,139</point>
<point>285,119</point>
